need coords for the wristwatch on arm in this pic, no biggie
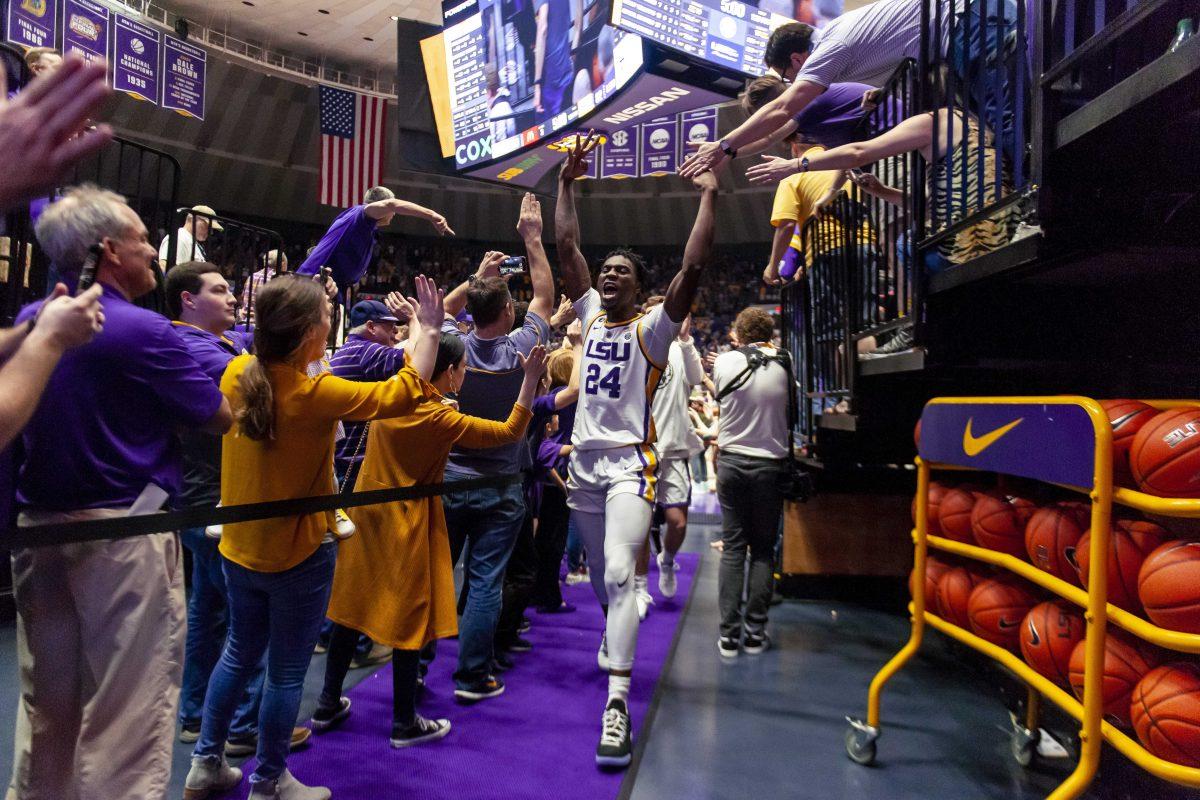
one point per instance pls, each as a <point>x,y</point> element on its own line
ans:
<point>727,150</point>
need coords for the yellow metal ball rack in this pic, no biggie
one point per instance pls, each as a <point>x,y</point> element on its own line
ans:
<point>1052,439</point>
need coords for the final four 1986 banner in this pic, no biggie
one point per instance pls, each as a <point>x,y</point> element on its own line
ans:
<point>32,23</point>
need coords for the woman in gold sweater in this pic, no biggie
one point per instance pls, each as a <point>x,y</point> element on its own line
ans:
<point>395,580</point>
<point>278,571</point>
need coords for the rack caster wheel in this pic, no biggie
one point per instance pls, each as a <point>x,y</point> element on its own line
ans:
<point>1024,744</point>
<point>860,741</point>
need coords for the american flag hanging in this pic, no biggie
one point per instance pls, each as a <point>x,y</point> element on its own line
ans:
<point>353,136</point>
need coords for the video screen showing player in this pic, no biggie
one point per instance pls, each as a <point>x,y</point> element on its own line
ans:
<point>543,56</point>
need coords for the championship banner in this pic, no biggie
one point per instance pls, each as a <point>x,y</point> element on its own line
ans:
<point>183,72</point>
<point>32,23</point>
<point>619,156</point>
<point>135,70</point>
<point>659,139</point>
<point>85,29</point>
<point>695,127</point>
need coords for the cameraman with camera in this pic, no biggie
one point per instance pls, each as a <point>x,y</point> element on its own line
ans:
<point>752,472</point>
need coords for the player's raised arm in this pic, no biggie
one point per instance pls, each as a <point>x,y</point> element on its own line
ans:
<point>576,278</point>
<point>682,292</point>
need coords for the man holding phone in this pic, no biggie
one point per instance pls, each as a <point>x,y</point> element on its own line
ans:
<point>491,519</point>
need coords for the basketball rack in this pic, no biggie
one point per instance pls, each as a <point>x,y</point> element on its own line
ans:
<point>1065,441</point>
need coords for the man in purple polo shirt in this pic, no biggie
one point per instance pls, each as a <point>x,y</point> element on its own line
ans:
<point>346,246</point>
<point>100,624</point>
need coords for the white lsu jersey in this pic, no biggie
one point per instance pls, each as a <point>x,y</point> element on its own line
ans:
<point>621,367</point>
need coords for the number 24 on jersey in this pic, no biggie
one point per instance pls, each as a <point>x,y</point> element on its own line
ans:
<point>611,382</point>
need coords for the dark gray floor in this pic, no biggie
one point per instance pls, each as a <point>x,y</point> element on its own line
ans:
<point>771,726</point>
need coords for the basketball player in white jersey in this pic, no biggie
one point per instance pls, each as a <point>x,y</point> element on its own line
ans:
<point>613,468</point>
<point>677,443</point>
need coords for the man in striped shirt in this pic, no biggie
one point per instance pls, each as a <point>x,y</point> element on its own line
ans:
<point>865,46</point>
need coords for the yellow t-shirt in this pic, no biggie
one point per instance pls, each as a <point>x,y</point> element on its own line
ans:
<point>795,199</point>
<point>298,462</point>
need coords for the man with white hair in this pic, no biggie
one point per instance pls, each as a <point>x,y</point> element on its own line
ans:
<point>100,624</point>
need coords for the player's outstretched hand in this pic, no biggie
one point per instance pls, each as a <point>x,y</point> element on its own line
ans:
<point>773,169</point>
<point>534,363</point>
<point>47,125</point>
<point>529,224</point>
<point>576,165</point>
<point>428,302</point>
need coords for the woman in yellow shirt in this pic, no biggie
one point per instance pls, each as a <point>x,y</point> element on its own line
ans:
<point>278,571</point>
<point>395,580</point>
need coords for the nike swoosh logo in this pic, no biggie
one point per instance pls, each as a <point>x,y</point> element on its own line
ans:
<point>974,445</point>
<point>1119,421</point>
<point>1005,625</point>
<point>621,585</point>
<point>1034,639</point>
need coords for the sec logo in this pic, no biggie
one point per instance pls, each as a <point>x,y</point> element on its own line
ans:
<point>620,138</point>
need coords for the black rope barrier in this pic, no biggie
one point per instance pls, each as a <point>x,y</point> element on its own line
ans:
<point>126,527</point>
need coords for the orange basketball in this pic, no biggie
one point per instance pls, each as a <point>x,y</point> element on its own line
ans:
<point>936,492</point>
<point>996,608</point>
<point>1126,661</point>
<point>1165,709</point>
<point>1127,418</point>
<point>1049,634</point>
<point>1131,542</point>
<point>1169,586</point>
<point>954,515</point>
<point>1165,454</point>
<point>954,592</point>
<point>1051,538</point>
<point>934,569</point>
<point>998,522</point>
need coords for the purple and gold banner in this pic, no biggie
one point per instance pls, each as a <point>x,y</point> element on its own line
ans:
<point>85,29</point>
<point>619,155</point>
<point>183,74</point>
<point>32,23</point>
<point>660,142</point>
<point>1054,442</point>
<point>136,64</point>
<point>695,127</point>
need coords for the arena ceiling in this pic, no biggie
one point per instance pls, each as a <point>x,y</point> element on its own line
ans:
<point>361,33</point>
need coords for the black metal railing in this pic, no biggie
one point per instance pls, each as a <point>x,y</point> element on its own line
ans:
<point>976,84</point>
<point>148,179</point>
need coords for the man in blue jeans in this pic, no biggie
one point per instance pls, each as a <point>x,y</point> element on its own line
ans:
<point>202,306</point>
<point>485,522</point>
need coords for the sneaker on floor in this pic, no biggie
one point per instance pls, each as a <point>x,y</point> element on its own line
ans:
<point>328,718</point>
<point>209,775</point>
<point>616,747</point>
<point>286,787</point>
<point>727,646</point>
<point>422,730</point>
<point>602,654</point>
<point>189,732</point>
<point>641,594</point>
<point>320,648</point>
<point>519,645</point>
<point>378,654</point>
<point>577,577</point>
<point>756,643</point>
<point>491,686</point>
<point>667,582</point>
<point>247,744</point>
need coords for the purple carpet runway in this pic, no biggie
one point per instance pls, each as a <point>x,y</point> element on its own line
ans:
<point>535,741</point>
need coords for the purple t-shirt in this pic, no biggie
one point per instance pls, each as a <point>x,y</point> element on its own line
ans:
<point>107,422</point>
<point>360,359</point>
<point>834,118</point>
<point>345,248</point>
